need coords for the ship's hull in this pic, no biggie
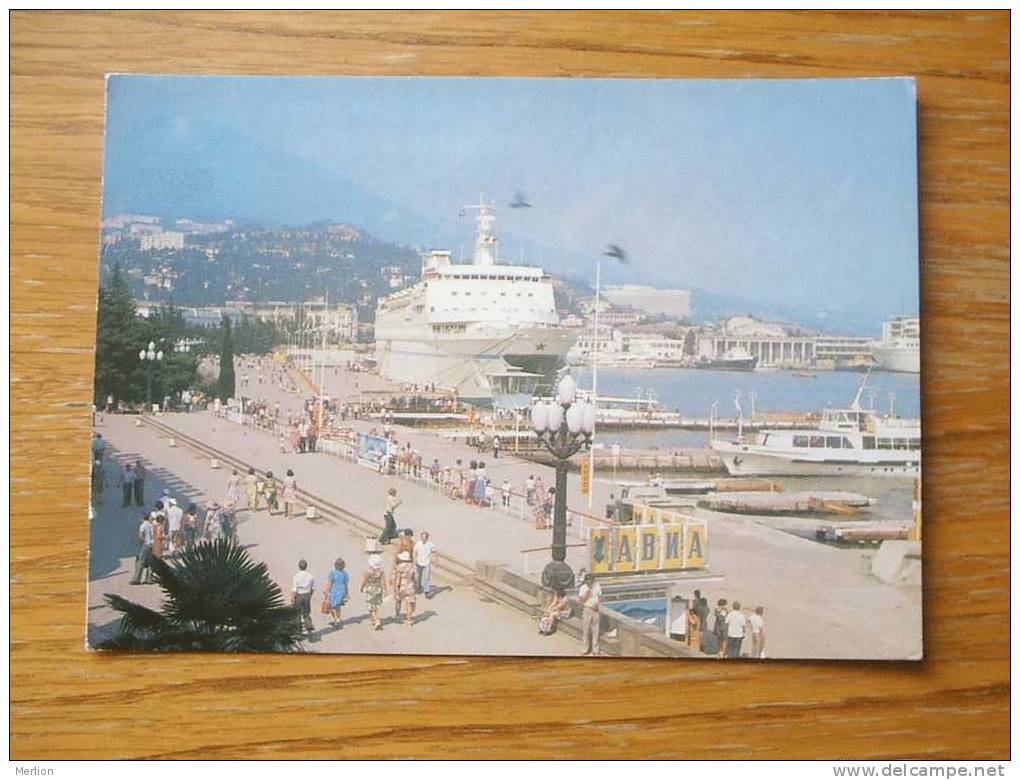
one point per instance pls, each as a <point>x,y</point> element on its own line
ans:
<point>904,359</point>
<point>484,365</point>
<point>734,364</point>
<point>745,461</point>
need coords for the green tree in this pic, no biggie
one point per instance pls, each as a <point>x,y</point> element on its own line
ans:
<point>216,598</point>
<point>119,336</point>
<point>226,383</point>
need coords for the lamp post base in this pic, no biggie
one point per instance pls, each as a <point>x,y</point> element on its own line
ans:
<point>557,575</point>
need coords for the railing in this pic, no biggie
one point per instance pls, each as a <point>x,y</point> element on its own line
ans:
<point>511,503</point>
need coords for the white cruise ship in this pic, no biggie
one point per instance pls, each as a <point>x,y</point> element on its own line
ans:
<point>900,346</point>
<point>486,330</point>
<point>851,441</point>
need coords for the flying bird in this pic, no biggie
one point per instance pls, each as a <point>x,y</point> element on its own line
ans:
<point>520,201</point>
<point>612,250</point>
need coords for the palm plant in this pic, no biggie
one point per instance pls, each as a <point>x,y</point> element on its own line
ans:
<point>217,598</point>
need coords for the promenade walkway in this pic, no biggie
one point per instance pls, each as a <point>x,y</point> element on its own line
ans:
<point>817,602</point>
<point>456,620</point>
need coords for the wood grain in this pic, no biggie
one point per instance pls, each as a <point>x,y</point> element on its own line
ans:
<point>70,703</point>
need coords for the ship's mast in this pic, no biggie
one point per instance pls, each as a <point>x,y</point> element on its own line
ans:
<point>486,245</point>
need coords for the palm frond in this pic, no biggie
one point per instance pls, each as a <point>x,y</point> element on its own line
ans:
<point>217,598</point>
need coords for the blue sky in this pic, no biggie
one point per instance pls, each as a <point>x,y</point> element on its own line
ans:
<point>802,193</point>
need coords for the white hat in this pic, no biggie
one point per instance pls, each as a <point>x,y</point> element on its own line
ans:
<point>173,502</point>
<point>375,560</point>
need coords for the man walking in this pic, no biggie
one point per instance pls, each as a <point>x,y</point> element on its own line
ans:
<point>301,595</point>
<point>143,560</point>
<point>175,525</point>
<point>139,483</point>
<point>423,552</point>
<point>590,597</point>
<point>757,624</point>
<point>98,448</point>
<point>389,517</point>
<point>127,484</point>
<point>496,444</point>
<point>736,625</point>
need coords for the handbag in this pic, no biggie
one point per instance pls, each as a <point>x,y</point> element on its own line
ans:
<point>325,604</point>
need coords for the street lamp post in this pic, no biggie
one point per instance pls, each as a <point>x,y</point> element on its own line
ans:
<point>148,357</point>
<point>594,374</point>
<point>564,425</point>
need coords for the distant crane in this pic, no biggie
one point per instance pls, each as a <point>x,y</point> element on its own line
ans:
<point>520,201</point>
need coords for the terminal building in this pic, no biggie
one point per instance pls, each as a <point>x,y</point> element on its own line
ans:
<point>778,345</point>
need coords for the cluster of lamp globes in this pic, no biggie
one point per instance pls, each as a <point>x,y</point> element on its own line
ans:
<point>153,355</point>
<point>150,353</point>
<point>549,416</point>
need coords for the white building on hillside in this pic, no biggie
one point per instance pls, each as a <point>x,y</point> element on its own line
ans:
<point>651,300</point>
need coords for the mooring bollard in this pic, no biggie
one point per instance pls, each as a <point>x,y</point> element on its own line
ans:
<point>310,512</point>
<point>214,463</point>
<point>172,442</point>
<point>138,422</point>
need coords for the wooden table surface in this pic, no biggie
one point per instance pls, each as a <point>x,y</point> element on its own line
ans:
<point>67,703</point>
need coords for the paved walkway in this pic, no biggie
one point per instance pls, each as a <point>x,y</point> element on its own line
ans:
<point>817,603</point>
<point>456,620</point>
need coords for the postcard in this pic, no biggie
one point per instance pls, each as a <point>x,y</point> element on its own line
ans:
<point>524,367</point>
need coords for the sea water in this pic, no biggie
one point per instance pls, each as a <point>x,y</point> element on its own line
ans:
<point>692,392</point>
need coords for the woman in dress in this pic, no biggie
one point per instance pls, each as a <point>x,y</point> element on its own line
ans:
<point>539,511</point>
<point>158,535</point>
<point>293,439</point>
<point>559,609</point>
<point>251,484</point>
<point>213,522</point>
<point>373,585</point>
<point>289,493</point>
<point>468,489</point>
<point>191,526</point>
<point>234,488</point>
<point>269,491</point>
<point>480,485</point>
<point>694,630</point>
<point>405,586</point>
<point>338,582</point>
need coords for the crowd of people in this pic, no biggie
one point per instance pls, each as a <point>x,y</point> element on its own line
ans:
<point>168,529</point>
<point>410,575</point>
<point>723,632</point>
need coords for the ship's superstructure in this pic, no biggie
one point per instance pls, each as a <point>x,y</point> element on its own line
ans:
<point>487,330</point>
<point>900,346</point>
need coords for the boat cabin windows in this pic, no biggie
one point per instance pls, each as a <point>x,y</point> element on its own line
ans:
<point>822,442</point>
<point>868,442</point>
<point>899,444</point>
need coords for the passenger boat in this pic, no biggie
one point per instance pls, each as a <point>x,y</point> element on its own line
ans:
<point>849,441</point>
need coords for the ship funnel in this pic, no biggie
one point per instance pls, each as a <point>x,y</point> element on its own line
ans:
<point>486,244</point>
